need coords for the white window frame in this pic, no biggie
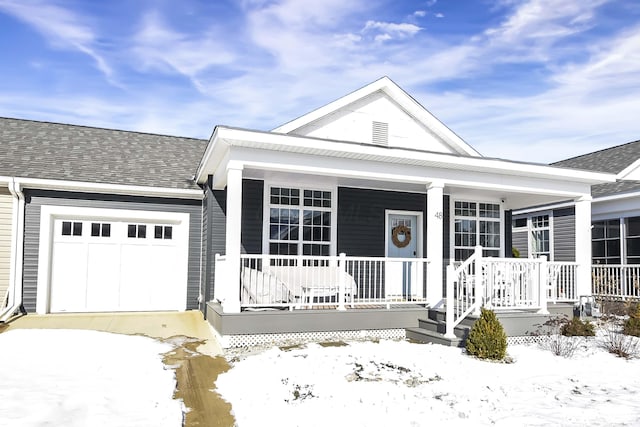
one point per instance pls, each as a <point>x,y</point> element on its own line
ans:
<point>531,229</point>
<point>266,214</point>
<point>452,221</point>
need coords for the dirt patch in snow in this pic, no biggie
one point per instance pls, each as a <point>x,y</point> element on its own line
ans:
<point>196,374</point>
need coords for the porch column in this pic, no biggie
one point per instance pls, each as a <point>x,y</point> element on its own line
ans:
<point>231,286</point>
<point>435,214</point>
<point>583,245</point>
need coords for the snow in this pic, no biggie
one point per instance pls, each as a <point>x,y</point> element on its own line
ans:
<point>407,384</point>
<point>85,378</point>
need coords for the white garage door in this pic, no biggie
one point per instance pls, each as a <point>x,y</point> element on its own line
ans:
<point>117,265</point>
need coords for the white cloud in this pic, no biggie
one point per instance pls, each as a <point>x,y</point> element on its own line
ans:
<point>439,15</point>
<point>420,13</point>
<point>390,30</point>
<point>159,47</point>
<point>62,28</point>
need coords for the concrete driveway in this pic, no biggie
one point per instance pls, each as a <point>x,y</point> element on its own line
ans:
<point>196,357</point>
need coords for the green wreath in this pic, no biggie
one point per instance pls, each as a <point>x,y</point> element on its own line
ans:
<point>401,230</point>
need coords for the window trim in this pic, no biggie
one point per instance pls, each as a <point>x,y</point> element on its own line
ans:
<point>529,230</point>
<point>266,214</point>
<point>452,222</point>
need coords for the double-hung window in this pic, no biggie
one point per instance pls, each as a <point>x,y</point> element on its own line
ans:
<point>540,241</point>
<point>299,221</point>
<point>476,224</point>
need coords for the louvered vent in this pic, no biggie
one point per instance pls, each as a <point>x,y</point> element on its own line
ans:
<point>380,133</point>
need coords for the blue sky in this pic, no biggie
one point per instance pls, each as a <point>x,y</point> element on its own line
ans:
<point>533,80</point>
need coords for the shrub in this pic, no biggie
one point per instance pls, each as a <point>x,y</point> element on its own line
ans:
<point>577,328</point>
<point>632,324</point>
<point>552,338</point>
<point>618,343</point>
<point>515,253</point>
<point>487,339</point>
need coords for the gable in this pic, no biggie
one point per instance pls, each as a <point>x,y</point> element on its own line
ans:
<point>376,119</point>
<point>380,113</point>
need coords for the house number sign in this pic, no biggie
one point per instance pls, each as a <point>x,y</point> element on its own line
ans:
<point>439,215</point>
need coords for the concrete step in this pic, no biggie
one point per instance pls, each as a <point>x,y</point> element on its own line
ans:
<point>461,331</point>
<point>426,336</point>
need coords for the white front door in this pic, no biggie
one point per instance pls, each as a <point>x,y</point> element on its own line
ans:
<point>403,278</point>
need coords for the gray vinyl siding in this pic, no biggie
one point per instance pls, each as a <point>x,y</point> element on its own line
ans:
<point>252,225</point>
<point>251,233</point>
<point>205,262</point>
<point>361,218</point>
<point>564,234</point>
<point>446,241</point>
<point>37,198</point>
<point>520,241</point>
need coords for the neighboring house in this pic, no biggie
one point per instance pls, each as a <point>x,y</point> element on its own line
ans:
<point>353,217</point>
<point>615,233</point>
<point>112,219</point>
<point>6,233</point>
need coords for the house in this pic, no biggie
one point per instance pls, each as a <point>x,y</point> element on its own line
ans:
<point>333,188</point>
<point>358,216</point>
<point>615,233</point>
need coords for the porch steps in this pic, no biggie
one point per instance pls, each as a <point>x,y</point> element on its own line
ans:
<point>432,329</point>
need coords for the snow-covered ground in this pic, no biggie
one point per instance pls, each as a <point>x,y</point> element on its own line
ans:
<point>397,383</point>
<point>85,378</point>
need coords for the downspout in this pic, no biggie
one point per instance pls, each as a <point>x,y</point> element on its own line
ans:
<point>17,249</point>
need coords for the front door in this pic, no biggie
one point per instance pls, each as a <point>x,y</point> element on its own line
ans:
<point>401,276</point>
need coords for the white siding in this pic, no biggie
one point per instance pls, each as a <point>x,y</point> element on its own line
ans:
<point>6,204</point>
<point>355,121</point>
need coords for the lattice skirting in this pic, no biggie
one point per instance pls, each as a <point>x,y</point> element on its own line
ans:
<point>235,341</point>
<point>526,339</point>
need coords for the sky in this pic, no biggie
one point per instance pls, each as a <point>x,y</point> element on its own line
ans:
<point>529,80</point>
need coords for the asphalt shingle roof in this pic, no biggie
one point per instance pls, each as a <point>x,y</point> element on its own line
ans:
<point>32,149</point>
<point>610,160</point>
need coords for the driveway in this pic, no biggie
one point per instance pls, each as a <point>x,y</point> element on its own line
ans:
<point>196,358</point>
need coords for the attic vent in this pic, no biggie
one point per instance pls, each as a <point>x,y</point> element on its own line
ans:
<point>380,133</point>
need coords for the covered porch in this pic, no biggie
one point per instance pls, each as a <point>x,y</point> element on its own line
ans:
<point>325,234</point>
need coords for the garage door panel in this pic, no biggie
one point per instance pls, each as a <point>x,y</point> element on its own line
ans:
<point>69,272</point>
<point>103,277</point>
<point>111,264</point>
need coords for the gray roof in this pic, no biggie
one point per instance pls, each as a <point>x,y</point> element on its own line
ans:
<point>32,149</point>
<point>611,160</point>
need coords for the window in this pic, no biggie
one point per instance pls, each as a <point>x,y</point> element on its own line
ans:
<point>476,224</point>
<point>163,232</point>
<point>71,228</point>
<point>540,242</point>
<point>299,221</point>
<point>605,242</point>
<point>633,240</point>
<point>100,230</point>
<point>137,231</point>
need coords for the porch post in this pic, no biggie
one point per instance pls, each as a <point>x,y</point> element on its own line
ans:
<point>435,214</point>
<point>583,246</point>
<point>231,293</point>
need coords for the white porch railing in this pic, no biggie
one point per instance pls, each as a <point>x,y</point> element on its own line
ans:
<point>505,283</point>
<point>338,281</point>
<point>616,281</point>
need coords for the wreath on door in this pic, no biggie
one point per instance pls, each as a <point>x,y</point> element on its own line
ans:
<point>397,232</point>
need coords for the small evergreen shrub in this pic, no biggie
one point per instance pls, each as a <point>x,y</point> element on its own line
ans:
<point>515,253</point>
<point>577,328</point>
<point>487,339</point>
<point>632,324</point>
